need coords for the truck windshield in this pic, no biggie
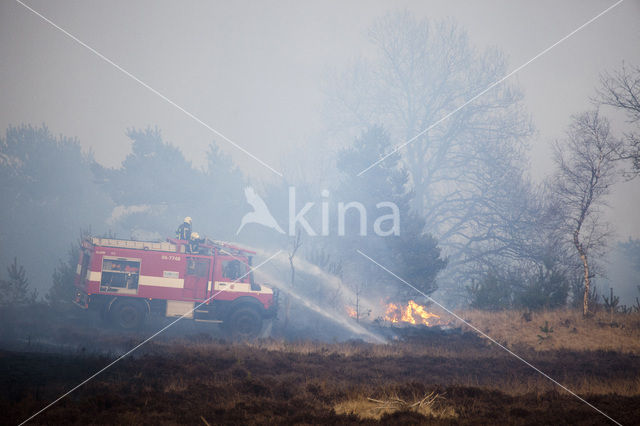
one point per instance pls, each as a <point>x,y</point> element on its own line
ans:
<point>234,270</point>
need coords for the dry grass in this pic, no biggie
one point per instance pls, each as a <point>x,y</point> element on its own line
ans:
<point>369,408</point>
<point>582,384</point>
<point>319,382</point>
<point>396,349</point>
<point>187,379</point>
<point>175,384</point>
<point>620,332</point>
<point>489,366</point>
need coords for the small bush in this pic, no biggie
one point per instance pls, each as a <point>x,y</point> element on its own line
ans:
<point>535,288</point>
<point>494,292</point>
<point>547,289</point>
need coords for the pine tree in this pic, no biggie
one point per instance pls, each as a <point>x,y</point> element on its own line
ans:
<point>412,253</point>
<point>62,291</point>
<point>15,290</point>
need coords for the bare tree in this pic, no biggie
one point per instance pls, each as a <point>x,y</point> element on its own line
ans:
<point>586,170</point>
<point>621,90</point>
<point>296,242</point>
<point>421,72</point>
<point>359,288</point>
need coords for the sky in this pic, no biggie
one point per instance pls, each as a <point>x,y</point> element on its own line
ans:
<point>254,71</point>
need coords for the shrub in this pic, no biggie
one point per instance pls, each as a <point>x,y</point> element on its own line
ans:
<point>547,289</point>
<point>494,292</point>
<point>540,287</point>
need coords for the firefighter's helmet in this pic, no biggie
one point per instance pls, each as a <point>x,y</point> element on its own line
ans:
<point>187,220</point>
<point>195,236</point>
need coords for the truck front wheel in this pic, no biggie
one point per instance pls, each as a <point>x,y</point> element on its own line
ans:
<point>127,314</point>
<point>244,323</point>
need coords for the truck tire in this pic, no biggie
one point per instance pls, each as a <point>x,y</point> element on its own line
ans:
<point>244,323</point>
<point>127,314</point>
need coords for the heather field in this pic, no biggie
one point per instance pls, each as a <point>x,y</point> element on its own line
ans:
<point>437,375</point>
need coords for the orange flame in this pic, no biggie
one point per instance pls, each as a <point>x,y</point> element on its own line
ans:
<point>351,312</point>
<point>412,314</point>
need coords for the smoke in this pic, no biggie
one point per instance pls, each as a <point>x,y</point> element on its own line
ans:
<point>330,282</point>
<point>331,306</point>
<point>120,212</point>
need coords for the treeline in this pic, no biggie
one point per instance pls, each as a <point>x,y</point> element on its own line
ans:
<point>508,240</point>
<point>473,226</point>
<point>60,190</point>
<point>52,191</point>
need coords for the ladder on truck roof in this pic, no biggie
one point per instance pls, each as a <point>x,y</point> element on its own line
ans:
<point>139,245</point>
<point>167,246</point>
<point>228,248</point>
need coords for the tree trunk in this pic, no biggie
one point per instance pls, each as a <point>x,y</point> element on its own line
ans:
<point>585,264</point>
<point>585,307</point>
<point>292,255</point>
<point>286,313</point>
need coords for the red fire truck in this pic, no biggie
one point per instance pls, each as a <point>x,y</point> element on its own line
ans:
<point>212,282</point>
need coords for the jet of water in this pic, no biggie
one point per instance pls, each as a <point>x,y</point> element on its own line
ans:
<point>330,281</point>
<point>337,317</point>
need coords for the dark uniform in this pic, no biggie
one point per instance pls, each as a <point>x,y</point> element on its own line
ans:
<point>184,232</point>
<point>194,243</point>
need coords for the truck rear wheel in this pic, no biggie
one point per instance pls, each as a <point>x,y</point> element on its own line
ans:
<point>244,323</point>
<point>127,314</point>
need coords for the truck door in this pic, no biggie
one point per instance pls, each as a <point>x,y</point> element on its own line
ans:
<point>196,279</point>
<point>231,270</point>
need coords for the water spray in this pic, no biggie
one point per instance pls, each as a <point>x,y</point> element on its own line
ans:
<point>336,317</point>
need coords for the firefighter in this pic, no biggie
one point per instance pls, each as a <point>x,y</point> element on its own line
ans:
<point>194,242</point>
<point>184,230</point>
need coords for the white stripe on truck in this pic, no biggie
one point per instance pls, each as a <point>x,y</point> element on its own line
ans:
<point>94,276</point>
<point>148,280</point>
<point>239,287</point>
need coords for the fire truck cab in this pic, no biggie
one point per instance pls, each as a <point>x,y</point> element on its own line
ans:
<point>212,282</point>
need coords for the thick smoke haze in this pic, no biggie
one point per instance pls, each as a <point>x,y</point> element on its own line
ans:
<point>319,212</point>
<point>263,75</point>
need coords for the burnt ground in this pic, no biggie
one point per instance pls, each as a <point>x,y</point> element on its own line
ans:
<point>197,378</point>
